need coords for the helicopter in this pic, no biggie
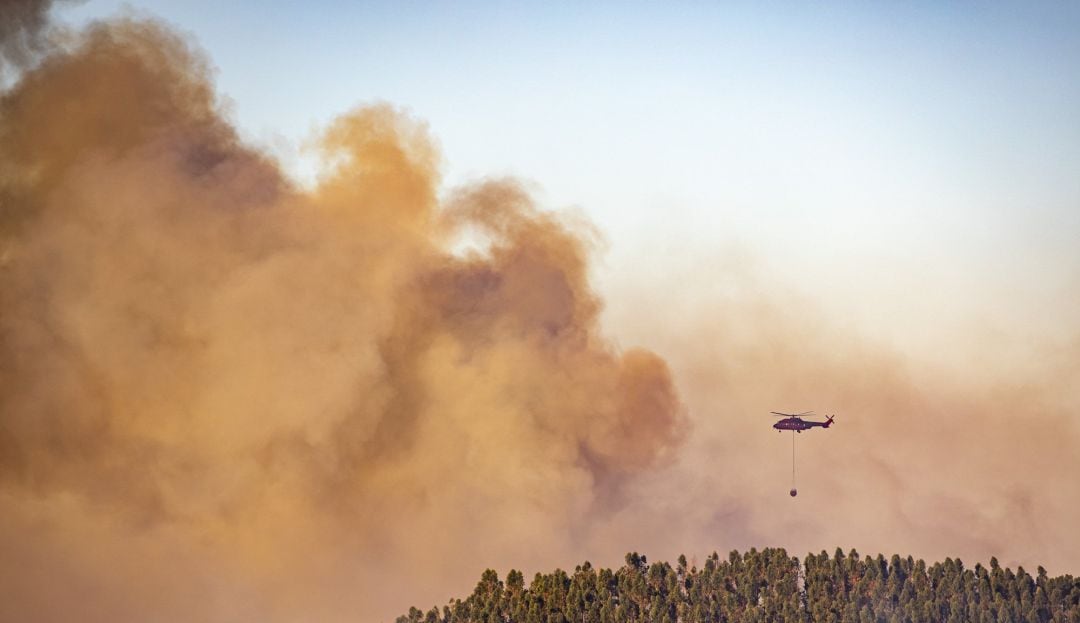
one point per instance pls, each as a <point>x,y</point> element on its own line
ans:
<point>795,421</point>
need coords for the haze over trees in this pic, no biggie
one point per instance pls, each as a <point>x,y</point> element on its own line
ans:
<point>768,586</point>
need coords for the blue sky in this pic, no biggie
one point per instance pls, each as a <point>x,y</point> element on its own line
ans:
<point>911,166</point>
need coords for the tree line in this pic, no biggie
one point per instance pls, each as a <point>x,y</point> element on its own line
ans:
<point>768,586</point>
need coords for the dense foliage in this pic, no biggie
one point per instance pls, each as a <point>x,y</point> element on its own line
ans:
<point>770,587</point>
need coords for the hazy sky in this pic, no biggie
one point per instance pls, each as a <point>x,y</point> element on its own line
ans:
<point>910,166</point>
<point>248,399</point>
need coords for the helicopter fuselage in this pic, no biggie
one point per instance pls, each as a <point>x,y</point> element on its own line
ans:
<point>798,424</point>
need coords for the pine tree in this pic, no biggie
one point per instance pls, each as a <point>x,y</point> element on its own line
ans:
<point>768,586</point>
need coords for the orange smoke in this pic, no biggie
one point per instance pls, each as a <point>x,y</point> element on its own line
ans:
<point>224,398</point>
<point>291,402</point>
<point>923,459</point>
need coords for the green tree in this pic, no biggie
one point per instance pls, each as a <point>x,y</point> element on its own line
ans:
<point>768,586</point>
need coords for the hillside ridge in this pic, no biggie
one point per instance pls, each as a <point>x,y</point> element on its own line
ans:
<point>769,586</point>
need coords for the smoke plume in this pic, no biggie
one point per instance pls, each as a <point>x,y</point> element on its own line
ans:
<point>24,25</point>
<point>971,460</point>
<point>224,397</point>
<point>215,383</point>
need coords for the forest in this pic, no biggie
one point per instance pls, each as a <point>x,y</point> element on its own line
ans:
<point>769,586</point>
